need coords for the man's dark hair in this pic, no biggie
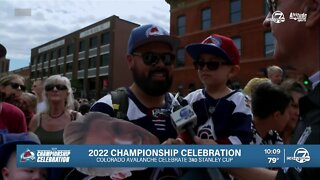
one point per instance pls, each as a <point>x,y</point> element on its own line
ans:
<point>267,99</point>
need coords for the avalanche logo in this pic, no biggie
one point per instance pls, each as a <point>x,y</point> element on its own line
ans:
<point>213,40</point>
<point>155,31</point>
<point>27,156</point>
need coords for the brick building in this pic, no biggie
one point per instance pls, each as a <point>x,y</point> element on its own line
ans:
<point>93,58</point>
<point>194,20</point>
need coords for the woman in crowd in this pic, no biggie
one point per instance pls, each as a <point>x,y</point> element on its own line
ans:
<point>58,97</point>
<point>296,90</point>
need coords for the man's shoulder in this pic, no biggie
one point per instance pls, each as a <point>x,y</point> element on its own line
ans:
<point>10,109</point>
<point>195,96</point>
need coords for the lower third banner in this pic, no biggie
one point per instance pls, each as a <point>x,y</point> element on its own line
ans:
<point>168,155</point>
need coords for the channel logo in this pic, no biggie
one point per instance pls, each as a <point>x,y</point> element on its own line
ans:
<point>277,17</point>
<point>301,155</point>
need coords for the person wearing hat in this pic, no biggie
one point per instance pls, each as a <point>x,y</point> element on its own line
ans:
<point>8,167</point>
<point>224,117</point>
<point>151,58</point>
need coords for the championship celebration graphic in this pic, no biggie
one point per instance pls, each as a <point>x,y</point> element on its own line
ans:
<point>169,156</point>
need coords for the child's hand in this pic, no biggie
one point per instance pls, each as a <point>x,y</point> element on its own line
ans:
<point>198,140</point>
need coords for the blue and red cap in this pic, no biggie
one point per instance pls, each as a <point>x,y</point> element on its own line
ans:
<point>150,33</point>
<point>218,45</point>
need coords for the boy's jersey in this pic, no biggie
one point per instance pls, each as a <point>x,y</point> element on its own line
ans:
<point>155,120</point>
<point>272,138</point>
<point>225,120</point>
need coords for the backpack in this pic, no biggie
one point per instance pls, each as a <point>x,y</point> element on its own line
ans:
<point>120,102</point>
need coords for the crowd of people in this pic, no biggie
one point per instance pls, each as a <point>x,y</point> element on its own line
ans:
<point>269,110</point>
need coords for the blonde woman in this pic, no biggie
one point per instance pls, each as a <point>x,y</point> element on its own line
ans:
<point>58,97</point>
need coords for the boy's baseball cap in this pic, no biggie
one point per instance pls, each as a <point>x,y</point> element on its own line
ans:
<point>150,33</point>
<point>9,141</point>
<point>218,45</point>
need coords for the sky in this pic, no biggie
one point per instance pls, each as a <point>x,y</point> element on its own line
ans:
<point>25,24</point>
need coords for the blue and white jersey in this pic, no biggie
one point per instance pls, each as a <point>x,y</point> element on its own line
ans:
<point>157,123</point>
<point>225,120</point>
<point>272,138</point>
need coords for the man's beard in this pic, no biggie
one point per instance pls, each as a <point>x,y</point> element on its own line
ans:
<point>153,87</point>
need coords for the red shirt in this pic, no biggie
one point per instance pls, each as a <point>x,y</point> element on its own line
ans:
<point>12,118</point>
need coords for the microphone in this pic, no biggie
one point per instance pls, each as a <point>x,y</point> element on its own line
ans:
<point>184,119</point>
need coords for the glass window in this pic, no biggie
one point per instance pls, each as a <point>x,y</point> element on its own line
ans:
<point>237,41</point>
<point>69,67</point>
<point>180,58</point>
<point>82,45</point>
<point>235,11</point>
<point>47,56</point>
<point>268,44</point>
<point>92,62</point>
<point>69,49</point>
<point>93,42</point>
<point>39,73</point>
<point>105,38</point>
<point>52,70</point>
<point>181,25</point>
<point>61,52</point>
<point>104,60</point>
<point>206,19</point>
<point>266,9</point>
<point>61,69</point>
<point>81,64</point>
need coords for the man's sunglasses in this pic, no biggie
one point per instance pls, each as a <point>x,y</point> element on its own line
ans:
<point>150,58</point>
<point>211,65</point>
<point>17,85</point>
<point>59,87</point>
<point>272,5</point>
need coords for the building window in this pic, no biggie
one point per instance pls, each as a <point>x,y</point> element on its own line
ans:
<point>92,62</point>
<point>82,46</point>
<point>181,25</point>
<point>104,60</point>
<point>266,8</point>
<point>69,67</point>
<point>93,42</point>
<point>268,44</point>
<point>53,54</point>
<point>105,38</point>
<point>235,11</point>
<point>180,57</point>
<point>61,52</point>
<point>47,56</point>
<point>81,64</point>
<point>237,41</point>
<point>39,73</point>
<point>206,19</point>
<point>33,60</point>
<point>69,49</point>
<point>52,70</point>
<point>61,67</point>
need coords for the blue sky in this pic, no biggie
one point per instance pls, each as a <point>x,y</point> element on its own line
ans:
<point>51,19</point>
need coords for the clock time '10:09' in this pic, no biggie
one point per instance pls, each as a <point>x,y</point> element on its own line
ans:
<point>272,151</point>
